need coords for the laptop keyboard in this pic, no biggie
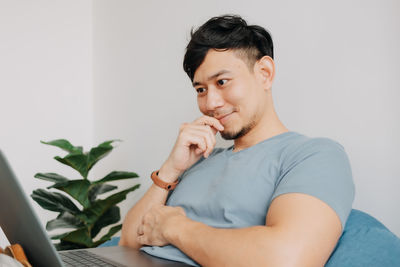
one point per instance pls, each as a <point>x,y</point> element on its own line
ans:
<point>79,258</point>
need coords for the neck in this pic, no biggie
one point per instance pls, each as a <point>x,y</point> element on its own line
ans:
<point>267,126</point>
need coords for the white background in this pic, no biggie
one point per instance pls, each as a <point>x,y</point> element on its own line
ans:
<point>90,71</point>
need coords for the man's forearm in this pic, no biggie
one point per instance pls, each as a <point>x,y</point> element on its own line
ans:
<point>253,246</point>
<point>154,196</point>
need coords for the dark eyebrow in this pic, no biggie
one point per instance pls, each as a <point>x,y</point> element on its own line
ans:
<point>213,76</point>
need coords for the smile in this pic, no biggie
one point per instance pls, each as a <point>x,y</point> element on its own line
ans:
<point>223,119</point>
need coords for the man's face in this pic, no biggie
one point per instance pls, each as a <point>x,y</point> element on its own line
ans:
<point>229,91</point>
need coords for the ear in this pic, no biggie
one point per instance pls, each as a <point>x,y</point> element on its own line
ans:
<point>265,71</point>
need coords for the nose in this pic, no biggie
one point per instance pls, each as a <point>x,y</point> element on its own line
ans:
<point>214,99</point>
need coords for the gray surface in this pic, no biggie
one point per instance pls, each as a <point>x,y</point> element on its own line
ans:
<point>21,225</point>
<point>125,255</point>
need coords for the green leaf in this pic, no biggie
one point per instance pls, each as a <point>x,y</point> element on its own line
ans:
<point>59,236</point>
<point>76,161</point>
<point>63,245</point>
<point>67,246</point>
<point>83,162</point>
<point>51,177</point>
<point>98,208</point>
<point>116,175</point>
<point>99,152</point>
<point>99,189</point>
<point>54,201</point>
<point>108,236</point>
<point>80,237</point>
<point>78,189</point>
<point>111,216</point>
<point>64,220</point>
<point>64,145</point>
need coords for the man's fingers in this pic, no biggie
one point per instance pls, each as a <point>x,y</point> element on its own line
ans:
<point>209,131</point>
<point>198,151</point>
<point>140,230</point>
<point>213,141</point>
<point>203,138</point>
<point>213,122</point>
<point>142,240</point>
<point>191,137</point>
<point>200,142</point>
<point>203,129</point>
<point>210,139</point>
<point>206,132</point>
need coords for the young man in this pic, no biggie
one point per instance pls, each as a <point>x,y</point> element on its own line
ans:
<point>275,198</point>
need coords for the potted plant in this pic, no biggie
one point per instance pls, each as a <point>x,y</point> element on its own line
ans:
<point>87,214</point>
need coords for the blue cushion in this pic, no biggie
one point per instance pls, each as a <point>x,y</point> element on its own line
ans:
<point>110,243</point>
<point>365,242</point>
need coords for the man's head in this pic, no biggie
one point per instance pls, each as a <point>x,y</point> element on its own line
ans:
<point>231,67</point>
<point>230,32</point>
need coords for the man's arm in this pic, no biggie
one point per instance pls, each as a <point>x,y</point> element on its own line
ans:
<point>195,139</point>
<point>300,231</point>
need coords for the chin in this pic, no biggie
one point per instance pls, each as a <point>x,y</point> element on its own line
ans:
<point>232,135</point>
<point>227,136</point>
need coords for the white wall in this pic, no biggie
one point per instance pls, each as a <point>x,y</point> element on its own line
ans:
<point>337,65</point>
<point>337,76</point>
<point>45,85</point>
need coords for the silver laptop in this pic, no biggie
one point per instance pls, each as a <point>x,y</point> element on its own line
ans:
<point>21,226</point>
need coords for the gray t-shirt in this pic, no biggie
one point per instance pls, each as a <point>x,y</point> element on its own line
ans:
<point>235,189</point>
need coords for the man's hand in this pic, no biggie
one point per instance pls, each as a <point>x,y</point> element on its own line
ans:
<point>195,139</point>
<point>157,223</point>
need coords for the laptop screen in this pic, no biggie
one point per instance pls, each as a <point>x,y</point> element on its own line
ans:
<point>20,223</point>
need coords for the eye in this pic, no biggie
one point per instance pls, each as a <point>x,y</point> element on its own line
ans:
<point>200,90</point>
<point>222,81</point>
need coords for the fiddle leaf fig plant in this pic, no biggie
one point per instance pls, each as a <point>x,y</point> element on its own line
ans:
<point>87,214</point>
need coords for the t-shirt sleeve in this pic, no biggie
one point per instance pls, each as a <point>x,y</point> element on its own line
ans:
<point>320,168</point>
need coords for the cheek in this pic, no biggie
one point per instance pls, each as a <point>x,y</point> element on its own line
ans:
<point>235,96</point>
<point>238,91</point>
<point>245,99</point>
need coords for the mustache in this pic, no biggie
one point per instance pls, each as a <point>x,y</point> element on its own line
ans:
<point>221,112</point>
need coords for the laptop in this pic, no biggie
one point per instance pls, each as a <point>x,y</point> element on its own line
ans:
<point>20,224</point>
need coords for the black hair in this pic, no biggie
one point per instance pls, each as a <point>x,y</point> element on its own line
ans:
<point>223,33</point>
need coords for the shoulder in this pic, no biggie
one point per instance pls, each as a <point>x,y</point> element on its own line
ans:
<point>305,143</point>
<point>321,144</point>
<point>312,157</point>
<point>303,147</point>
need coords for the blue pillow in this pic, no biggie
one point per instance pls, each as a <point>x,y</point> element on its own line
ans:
<point>110,243</point>
<point>365,242</point>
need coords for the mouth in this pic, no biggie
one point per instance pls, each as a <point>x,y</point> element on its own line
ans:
<point>224,118</point>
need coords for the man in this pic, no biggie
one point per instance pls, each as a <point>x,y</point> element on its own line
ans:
<point>275,198</point>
